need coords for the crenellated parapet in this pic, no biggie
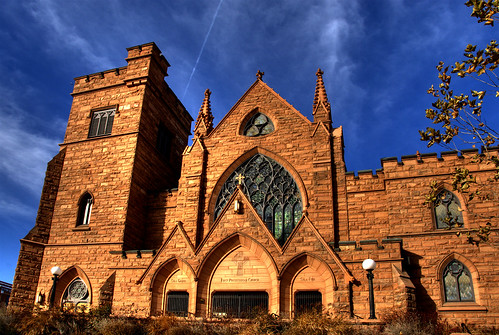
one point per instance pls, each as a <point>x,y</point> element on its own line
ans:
<point>429,165</point>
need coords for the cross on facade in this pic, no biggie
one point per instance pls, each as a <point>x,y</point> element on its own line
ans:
<point>240,179</point>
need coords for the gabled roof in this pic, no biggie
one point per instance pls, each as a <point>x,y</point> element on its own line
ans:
<point>258,83</point>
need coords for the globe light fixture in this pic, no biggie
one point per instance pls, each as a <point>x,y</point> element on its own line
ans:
<point>56,271</point>
<point>369,265</point>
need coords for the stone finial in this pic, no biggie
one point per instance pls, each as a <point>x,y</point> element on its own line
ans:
<point>204,122</point>
<point>320,92</point>
<point>260,74</point>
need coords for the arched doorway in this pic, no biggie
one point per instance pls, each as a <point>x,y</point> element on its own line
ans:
<point>238,275</point>
<point>307,283</point>
<point>173,289</point>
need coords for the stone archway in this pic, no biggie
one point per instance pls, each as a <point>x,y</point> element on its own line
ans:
<point>65,280</point>
<point>306,273</point>
<point>237,264</point>
<point>171,277</point>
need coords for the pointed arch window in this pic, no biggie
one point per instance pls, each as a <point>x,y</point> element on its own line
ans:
<point>273,193</point>
<point>76,294</point>
<point>84,209</point>
<point>259,125</point>
<point>458,284</point>
<point>447,210</point>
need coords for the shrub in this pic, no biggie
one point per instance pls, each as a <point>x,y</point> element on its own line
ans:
<point>8,322</point>
<point>317,323</point>
<point>52,322</point>
<point>119,326</point>
<point>160,325</point>
<point>262,323</point>
<point>103,311</point>
<point>414,324</point>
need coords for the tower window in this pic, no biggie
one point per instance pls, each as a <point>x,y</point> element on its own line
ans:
<point>84,209</point>
<point>163,143</point>
<point>448,212</point>
<point>102,122</point>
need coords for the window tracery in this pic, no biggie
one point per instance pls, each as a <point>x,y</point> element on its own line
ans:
<point>457,281</point>
<point>447,210</point>
<point>273,193</point>
<point>102,122</point>
<point>259,125</point>
<point>76,293</point>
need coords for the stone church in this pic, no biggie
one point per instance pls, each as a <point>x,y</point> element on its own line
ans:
<point>258,212</point>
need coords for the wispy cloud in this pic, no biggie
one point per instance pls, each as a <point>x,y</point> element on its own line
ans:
<point>63,33</point>
<point>12,207</point>
<point>24,152</point>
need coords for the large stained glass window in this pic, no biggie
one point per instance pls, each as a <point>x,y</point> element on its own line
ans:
<point>448,213</point>
<point>272,191</point>
<point>458,285</point>
<point>258,125</point>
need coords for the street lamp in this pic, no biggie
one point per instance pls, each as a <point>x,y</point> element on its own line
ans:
<point>369,265</point>
<point>56,271</point>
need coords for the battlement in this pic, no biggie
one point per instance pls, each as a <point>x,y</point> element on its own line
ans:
<point>145,60</point>
<point>393,167</point>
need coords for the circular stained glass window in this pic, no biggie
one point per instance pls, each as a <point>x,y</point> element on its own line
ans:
<point>258,125</point>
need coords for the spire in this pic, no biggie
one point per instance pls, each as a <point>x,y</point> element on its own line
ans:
<point>322,107</point>
<point>204,122</point>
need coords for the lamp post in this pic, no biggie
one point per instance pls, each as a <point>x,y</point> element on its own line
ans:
<point>369,265</point>
<point>56,271</point>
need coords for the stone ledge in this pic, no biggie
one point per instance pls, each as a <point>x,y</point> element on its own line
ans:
<point>457,307</point>
<point>82,228</point>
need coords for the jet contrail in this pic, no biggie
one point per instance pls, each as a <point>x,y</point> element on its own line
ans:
<point>202,47</point>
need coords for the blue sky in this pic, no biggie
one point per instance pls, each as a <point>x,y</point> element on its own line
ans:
<point>378,57</point>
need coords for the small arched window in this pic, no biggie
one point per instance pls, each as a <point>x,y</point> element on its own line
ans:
<point>272,191</point>
<point>259,125</point>
<point>84,209</point>
<point>76,294</point>
<point>458,285</point>
<point>447,210</point>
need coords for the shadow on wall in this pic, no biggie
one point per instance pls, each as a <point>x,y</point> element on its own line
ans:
<point>424,302</point>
